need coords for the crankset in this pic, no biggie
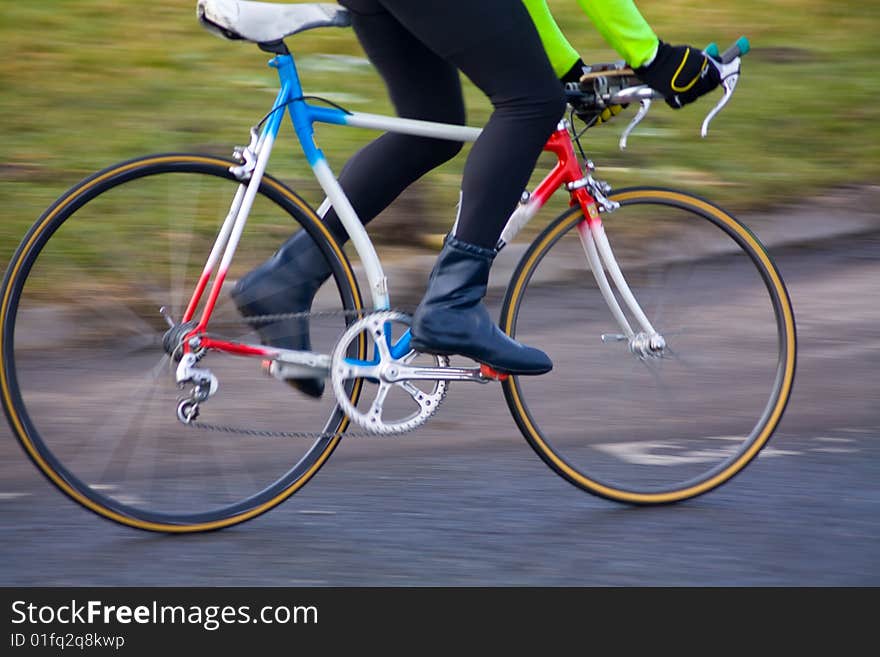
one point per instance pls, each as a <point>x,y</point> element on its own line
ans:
<point>421,380</point>
<point>385,372</point>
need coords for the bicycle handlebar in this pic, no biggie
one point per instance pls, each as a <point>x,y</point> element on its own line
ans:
<point>728,64</point>
<point>740,47</point>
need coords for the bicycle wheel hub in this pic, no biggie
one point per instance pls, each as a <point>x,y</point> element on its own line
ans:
<point>646,345</point>
<point>172,340</point>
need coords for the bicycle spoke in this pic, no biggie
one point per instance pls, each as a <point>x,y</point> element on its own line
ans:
<point>121,453</point>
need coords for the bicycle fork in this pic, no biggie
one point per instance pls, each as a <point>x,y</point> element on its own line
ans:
<point>591,195</point>
<point>647,343</point>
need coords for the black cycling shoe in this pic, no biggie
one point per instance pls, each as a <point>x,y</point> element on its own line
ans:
<point>452,320</point>
<point>286,283</point>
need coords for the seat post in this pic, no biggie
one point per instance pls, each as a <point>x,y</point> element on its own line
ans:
<point>274,47</point>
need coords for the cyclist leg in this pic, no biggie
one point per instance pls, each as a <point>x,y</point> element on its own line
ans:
<point>372,178</point>
<point>496,45</point>
<point>422,85</point>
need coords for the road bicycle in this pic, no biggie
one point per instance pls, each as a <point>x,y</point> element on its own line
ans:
<point>129,403</point>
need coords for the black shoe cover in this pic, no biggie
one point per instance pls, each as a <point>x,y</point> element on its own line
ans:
<point>286,283</point>
<point>451,319</point>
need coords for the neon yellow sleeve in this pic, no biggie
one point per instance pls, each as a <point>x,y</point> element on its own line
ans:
<point>561,53</point>
<point>618,21</point>
<point>624,28</point>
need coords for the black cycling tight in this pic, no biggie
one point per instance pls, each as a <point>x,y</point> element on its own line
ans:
<point>418,48</point>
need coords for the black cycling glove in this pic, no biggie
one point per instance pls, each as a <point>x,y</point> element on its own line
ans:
<point>574,73</point>
<point>592,116</point>
<point>681,73</point>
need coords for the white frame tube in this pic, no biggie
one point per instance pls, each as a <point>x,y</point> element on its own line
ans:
<point>265,150</point>
<point>356,232</point>
<point>225,230</point>
<point>595,262</point>
<point>600,257</point>
<point>604,247</point>
<point>413,127</point>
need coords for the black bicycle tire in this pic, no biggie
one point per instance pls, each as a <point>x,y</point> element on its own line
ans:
<point>786,329</point>
<point>10,294</point>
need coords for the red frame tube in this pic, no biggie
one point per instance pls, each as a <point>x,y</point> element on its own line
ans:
<point>236,348</point>
<point>566,170</point>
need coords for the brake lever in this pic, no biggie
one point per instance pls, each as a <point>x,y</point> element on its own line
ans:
<point>644,106</point>
<point>641,93</point>
<point>729,78</point>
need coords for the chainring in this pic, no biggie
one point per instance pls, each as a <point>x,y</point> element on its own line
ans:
<point>378,327</point>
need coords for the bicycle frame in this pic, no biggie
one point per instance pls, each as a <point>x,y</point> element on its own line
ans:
<point>566,172</point>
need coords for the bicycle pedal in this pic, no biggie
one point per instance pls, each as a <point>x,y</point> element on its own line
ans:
<point>488,373</point>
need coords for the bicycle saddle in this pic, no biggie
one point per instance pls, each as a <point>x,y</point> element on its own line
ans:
<point>263,22</point>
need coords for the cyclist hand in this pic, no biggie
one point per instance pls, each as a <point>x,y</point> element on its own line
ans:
<point>681,73</point>
<point>574,73</point>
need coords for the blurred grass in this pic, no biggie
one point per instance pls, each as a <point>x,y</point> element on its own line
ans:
<point>85,83</point>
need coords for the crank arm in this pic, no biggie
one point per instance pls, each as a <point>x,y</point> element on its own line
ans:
<point>284,371</point>
<point>293,364</point>
<point>310,363</point>
<point>404,373</point>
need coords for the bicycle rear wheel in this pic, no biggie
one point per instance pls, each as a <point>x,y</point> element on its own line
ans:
<point>657,429</point>
<point>86,384</point>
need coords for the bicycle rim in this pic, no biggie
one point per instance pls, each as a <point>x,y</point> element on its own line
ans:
<point>86,384</point>
<point>658,429</point>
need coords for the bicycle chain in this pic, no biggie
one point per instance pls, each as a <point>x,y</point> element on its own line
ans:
<point>314,435</point>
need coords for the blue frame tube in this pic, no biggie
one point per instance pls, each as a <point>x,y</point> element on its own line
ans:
<point>303,117</point>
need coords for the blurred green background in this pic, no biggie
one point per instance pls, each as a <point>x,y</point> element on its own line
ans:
<point>85,83</point>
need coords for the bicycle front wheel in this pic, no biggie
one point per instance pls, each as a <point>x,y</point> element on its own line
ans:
<point>663,425</point>
<point>86,383</point>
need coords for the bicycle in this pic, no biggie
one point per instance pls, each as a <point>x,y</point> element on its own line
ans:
<point>89,304</point>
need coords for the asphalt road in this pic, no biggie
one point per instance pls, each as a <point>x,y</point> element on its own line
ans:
<point>465,501</point>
